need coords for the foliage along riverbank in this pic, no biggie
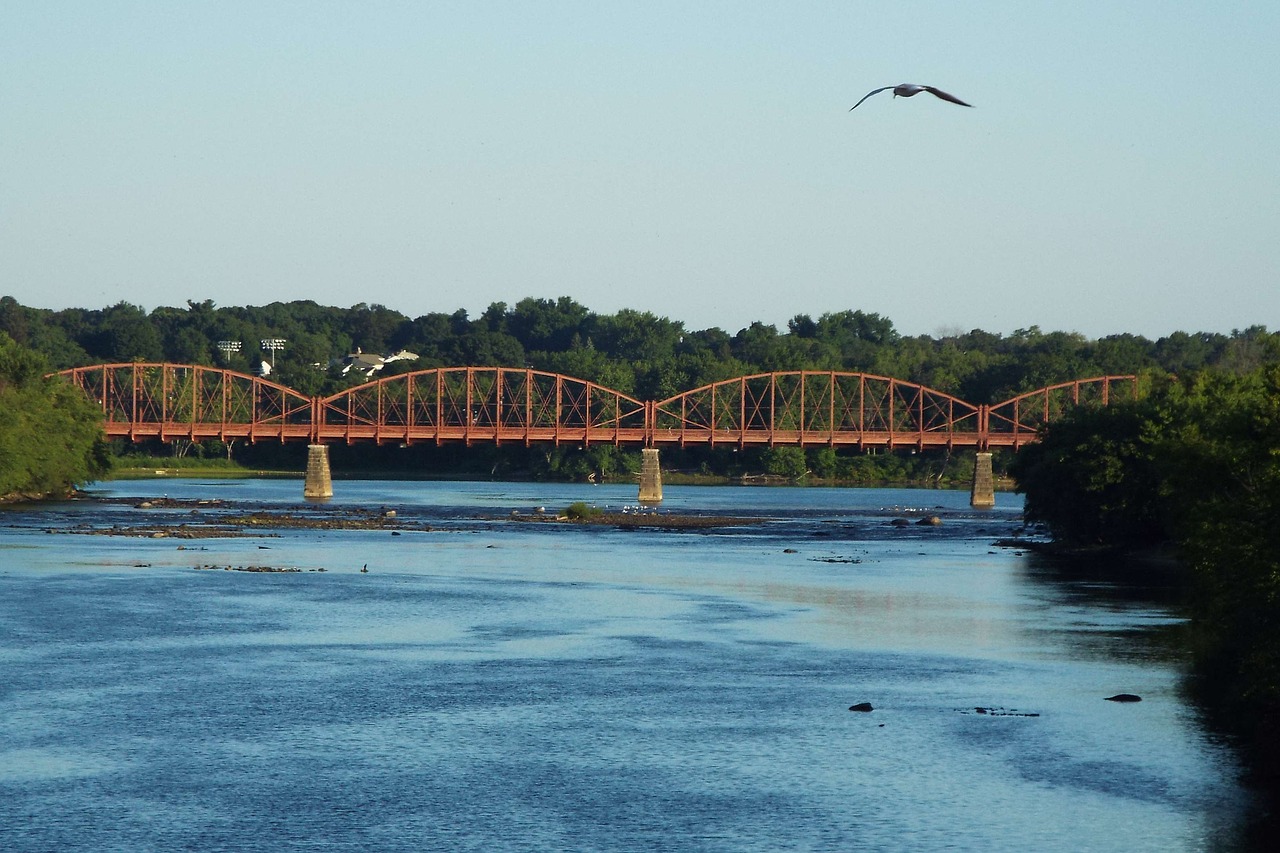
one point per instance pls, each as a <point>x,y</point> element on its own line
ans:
<point>1194,467</point>
<point>50,434</point>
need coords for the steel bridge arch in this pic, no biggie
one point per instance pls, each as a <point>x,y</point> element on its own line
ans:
<point>482,404</point>
<point>1020,419</point>
<point>810,408</point>
<point>167,401</point>
<point>803,408</point>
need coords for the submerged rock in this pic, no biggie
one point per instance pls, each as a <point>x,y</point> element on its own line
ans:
<point>1124,697</point>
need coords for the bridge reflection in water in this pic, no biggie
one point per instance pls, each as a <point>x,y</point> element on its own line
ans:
<point>499,405</point>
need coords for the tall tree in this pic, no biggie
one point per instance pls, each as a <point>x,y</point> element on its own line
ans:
<point>50,434</point>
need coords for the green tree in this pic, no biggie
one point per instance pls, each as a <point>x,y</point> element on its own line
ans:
<point>126,333</point>
<point>50,433</point>
<point>786,462</point>
<point>543,325</point>
<point>1094,479</point>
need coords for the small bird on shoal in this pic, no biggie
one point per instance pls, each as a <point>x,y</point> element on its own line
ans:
<point>907,90</point>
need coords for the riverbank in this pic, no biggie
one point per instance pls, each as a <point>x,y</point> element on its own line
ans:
<point>34,497</point>
<point>165,468</point>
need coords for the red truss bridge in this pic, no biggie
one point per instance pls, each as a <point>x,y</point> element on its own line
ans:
<point>500,405</point>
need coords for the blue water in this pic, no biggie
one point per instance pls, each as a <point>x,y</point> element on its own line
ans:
<point>496,685</point>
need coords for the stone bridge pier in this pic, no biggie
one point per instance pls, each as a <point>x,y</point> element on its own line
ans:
<point>983,495</point>
<point>650,477</point>
<point>319,483</point>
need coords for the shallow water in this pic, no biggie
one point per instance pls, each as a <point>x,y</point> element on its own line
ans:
<point>496,685</point>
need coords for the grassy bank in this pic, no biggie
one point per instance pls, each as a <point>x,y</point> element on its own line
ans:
<point>142,467</point>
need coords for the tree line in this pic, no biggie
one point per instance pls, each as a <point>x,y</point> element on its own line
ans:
<point>635,352</point>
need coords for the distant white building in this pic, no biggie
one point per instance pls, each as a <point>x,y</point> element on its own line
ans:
<point>369,364</point>
<point>403,355</point>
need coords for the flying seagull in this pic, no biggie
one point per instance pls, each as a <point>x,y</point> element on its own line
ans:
<point>908,90</point>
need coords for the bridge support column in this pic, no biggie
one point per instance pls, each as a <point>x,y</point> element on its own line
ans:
<point>983,495</point>
<point>650,477</point>
<point>319,484</point>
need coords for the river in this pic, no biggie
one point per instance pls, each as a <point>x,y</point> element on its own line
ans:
<point>489,684</point>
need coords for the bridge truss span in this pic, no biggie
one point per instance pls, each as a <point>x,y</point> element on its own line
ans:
<point>813,409</point>
<point>482,404</point>
<point>803,408</point>
<point>174,401</point>
<point>1020,420</point>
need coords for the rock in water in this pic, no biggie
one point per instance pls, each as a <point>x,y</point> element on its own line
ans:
<point>1124,697</point>
<point>861,706</point>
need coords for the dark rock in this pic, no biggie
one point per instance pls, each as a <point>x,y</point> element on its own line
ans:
<point>900,522</point>
<point>1124,697</point>
<point>861,706</point>
<point>997,712</point>
<point>789,551</point>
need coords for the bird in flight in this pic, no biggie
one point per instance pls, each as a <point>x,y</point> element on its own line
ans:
<point>908,90</point>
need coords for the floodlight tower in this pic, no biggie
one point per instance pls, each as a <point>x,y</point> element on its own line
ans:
<point>272,345</point>
<point>227,348</point>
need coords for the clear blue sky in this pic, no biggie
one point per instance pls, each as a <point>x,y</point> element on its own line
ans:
<point>1120,171</point>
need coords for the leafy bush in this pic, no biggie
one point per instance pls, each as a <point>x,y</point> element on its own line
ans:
<point>50,433</point>
<point>581,511</point>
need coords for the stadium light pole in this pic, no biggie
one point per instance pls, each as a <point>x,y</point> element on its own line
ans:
<point>272,345</point>
<point>227,348</point>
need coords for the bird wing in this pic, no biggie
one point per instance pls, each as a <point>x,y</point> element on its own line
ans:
<point>868,95</point>
<point>941,94</point>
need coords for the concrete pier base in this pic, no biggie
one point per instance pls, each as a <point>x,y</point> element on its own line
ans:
<point>983,495</point>
<point>650,477</point>
<point>319,483</point>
